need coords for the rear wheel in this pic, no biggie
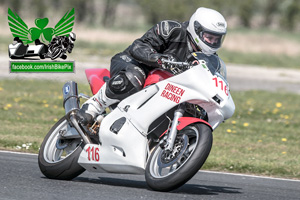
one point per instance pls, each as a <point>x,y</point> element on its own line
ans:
<point>167,171</point>
<point>57,156</point>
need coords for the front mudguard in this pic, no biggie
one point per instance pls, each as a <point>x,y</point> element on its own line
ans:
<point>185,121</point>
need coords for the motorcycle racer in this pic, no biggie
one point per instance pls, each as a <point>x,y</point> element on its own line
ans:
<point>205,32</point>
<point>60,45</point>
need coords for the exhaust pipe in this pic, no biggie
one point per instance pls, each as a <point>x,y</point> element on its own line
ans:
<point>70,94</point>
<point>71,105</point>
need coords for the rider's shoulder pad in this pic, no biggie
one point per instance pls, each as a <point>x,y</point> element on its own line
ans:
<point>166,27</point>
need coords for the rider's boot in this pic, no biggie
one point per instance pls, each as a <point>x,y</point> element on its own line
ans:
<point>94,106</point>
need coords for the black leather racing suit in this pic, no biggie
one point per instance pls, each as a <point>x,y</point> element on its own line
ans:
<point>130,67</point>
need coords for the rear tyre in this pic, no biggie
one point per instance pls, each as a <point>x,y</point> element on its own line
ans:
<point>58,157</point>
<point>166,171</point>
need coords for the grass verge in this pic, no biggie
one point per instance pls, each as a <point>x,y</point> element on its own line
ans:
<point>260,59</point>
<point>29,108</point>
<point>262,137</point>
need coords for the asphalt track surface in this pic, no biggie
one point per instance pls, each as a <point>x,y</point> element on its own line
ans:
<point>20,178</point>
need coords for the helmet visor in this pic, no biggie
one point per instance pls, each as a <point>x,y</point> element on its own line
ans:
<point>211,39</point>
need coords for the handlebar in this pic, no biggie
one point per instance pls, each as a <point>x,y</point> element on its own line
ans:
<point>177,64</point>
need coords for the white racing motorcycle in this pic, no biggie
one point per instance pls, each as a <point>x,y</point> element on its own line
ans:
<point>163,131</point>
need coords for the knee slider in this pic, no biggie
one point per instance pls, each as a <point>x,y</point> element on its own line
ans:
<point>119,87</point>
<point>119,83</point>
<point>136,76</point>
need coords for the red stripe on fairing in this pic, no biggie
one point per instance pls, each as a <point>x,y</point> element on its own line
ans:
<point>157,75</point>
<point>185,121</point>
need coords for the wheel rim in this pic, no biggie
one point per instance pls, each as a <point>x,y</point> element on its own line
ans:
<point>56,149</point>
<point>165,163</point>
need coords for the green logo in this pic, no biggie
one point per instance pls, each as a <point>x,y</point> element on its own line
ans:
<point>204,66</point>
<point>19,28</point>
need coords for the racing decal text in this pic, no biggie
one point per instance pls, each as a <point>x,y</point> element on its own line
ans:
<point>173,93</point>
<point>222,85</point>
<point>93,154</point>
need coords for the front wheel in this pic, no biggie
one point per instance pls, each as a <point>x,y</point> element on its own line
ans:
<point>166,171</point>
<point>56,53</point>
<point>57,156</point>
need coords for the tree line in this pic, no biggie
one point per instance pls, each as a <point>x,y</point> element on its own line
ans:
<point>284,14</point>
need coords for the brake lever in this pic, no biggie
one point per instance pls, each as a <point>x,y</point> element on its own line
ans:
<point>178,64</point>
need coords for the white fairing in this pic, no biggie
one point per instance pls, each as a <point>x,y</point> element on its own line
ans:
<point>126,150</point>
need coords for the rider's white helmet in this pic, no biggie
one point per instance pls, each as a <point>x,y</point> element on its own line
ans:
<point>205,23</point>
<point>72,37</point>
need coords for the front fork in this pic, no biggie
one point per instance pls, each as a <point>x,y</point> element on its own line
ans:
<point>86,139</point>
<point>168,143</point>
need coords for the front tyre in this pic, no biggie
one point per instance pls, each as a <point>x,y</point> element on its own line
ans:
<point>166,171</point>
<point>56,53</point>
<point>57,156</point>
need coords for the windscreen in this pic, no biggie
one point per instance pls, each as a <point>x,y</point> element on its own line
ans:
<point>213,62</point>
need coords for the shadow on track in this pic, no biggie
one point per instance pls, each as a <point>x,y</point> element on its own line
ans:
<point>185,189</point>
<point>206,190</point>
